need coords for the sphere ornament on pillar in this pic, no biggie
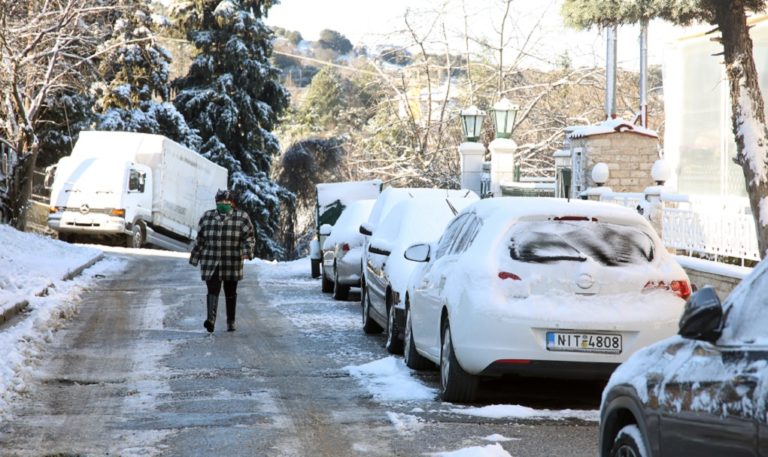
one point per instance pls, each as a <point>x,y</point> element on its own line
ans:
<point>660,172</point>
<point>600,173</point>
<point>472,123</point>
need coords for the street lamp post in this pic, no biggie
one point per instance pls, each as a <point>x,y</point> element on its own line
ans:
<point>504,116</point>
<point>504,166</point>
<point>472,152</point>
<point>472,123</point>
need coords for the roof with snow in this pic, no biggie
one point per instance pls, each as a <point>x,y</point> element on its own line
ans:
<point>607,127</point>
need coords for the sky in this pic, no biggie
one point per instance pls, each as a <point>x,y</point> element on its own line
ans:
<point>371,23</point>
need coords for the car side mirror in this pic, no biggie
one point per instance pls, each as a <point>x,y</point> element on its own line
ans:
<point>366,229</point>
<point>702,317</point>
<point>325,229</point>
<point>418,253</point>
<point>380,247</point>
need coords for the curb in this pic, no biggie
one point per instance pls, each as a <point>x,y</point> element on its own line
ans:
<point>11,312</point>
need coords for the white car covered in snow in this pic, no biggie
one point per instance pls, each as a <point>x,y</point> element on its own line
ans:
<point>539,287</point>
<point>342,250</point>
<point>412,220</point>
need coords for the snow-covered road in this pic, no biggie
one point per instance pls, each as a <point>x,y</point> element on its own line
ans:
<point>116,361</point>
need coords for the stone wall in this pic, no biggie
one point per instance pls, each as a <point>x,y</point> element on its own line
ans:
<point>629,156</point>
<point>722,284</point>
<point>721,276</point>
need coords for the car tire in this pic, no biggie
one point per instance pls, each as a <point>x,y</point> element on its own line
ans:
<point>370,327</point>
<point>136,239</point>
<point>315,268</point>
<point>413,359</point>
<point>327,284</point>
<point>393,345</point>
<point>456,385</point>
<point>340,291</point>
<point>628,443</point>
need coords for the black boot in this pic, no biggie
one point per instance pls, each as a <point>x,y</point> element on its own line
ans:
<point>231,303</point>
<point>213,303</point>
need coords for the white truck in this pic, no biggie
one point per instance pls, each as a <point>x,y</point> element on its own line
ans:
<point>132,188</point>
<point>331,199</point>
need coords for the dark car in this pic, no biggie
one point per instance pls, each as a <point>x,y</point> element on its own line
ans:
<point>701,393</point>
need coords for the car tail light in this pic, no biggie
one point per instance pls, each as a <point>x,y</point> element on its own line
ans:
<point>345,247</point>
<point>508,275</point>
<point>681,288</point>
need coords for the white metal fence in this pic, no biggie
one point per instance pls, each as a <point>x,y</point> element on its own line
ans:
<point>720,227</point>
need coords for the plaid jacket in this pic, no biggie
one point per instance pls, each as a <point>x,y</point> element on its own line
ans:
<point>222,241</point>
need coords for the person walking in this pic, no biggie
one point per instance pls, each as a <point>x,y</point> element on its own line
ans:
<point>225,238</point>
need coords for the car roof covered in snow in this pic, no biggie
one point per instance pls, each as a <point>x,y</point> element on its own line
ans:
<point>508,208</point>
<point>392,195</point>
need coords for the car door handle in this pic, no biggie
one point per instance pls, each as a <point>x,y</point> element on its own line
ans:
<point>442,282</point>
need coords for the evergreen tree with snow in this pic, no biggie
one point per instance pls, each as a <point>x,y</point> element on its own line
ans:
<point>232,96</point>
<point>135,91</point>
<point>64,114</point>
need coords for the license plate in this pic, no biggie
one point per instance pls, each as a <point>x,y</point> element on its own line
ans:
<point>328,262</point>
<point>605,343</point>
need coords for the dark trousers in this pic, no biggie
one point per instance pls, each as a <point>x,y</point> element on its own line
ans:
<point>214,285</point>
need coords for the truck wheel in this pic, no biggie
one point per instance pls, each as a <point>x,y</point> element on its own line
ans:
<point>136,239</point>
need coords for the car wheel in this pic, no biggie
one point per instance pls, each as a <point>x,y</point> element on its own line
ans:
<point>136,239</point>
<point>315,268</point>
<point>369,326</point>
<point>456,385</point>
<point>340,291</point>
<point>629,443</point>
<point>327,284</point>
<point>394,344</point>
<point>413,359</point>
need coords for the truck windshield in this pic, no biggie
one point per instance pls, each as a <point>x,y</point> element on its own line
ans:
<point>93,176</point>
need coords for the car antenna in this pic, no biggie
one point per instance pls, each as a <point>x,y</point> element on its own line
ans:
<point>453,208</point>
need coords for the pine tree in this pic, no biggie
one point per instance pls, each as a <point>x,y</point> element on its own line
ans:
<point>136,87</point>
<point>64,115</point>
<point>232,96</point>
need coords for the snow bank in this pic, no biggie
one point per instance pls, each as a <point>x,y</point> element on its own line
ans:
<point>30,264</point>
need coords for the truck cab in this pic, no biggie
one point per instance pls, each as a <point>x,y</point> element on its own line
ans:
<point>101,197</point>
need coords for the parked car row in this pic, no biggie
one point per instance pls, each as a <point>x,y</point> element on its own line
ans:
<point>569,289</point>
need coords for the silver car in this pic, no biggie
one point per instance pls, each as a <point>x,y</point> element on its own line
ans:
<point>342,250</point>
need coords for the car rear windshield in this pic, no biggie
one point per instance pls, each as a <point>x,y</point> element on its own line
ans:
<point>556,241</point>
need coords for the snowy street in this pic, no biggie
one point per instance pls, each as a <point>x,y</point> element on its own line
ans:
<point>131,372</point>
